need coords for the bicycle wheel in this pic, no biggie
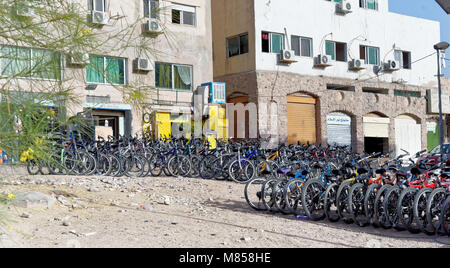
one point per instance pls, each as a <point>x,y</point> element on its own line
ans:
<point>293,196</point>
<point>405,209</point>
<point>134,167</point>
<point>280,203</point>
<point>241,171</point>
<point>390,208</point>
<point>420,210</point>
<point>342,201</point>
<point>157,163</point>
<point>116,166</point>
<point>379,213</point>
<point>253,194</point>
<point>369,201</point>
<point>268,196</point>
<point>207,171</point>
<point>179,166</point>
<point>195,166</point>
<point>312,199</point>
<point>445,217</point>
<point>330,202</point>
<point>356,204</point>
<point>434,205</point>
<point>33,167</point>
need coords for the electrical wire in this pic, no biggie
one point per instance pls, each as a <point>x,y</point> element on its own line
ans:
<point>378,75</point>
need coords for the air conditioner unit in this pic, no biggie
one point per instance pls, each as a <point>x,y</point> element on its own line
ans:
<point>287,56</point>
<point>152,26</point>
<point>356,64</point>
<point>391,65</point>
<point>79,59</point>
<point>323,60</point>
<point>142,65</point>
<point>344,7</point>
<point>99,18</point>
<point>217,92</point>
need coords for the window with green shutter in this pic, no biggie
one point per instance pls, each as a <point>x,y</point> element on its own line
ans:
<point>330,49</point>
<point>371,55</point>
<point>110,70</point>
<point>173,76</point>
<point>30,63</point>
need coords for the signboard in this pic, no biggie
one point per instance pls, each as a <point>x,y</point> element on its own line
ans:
<point>433,102</point>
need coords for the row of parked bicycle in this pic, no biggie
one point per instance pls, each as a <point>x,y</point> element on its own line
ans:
<point>395,193</point>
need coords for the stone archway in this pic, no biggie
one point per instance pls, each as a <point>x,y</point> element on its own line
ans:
<point>376,131</point>
<point>408,134</point>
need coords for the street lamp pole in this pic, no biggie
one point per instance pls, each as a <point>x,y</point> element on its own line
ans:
<point>442,46</point>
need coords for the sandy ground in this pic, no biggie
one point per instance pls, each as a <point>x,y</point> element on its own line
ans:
<point>171,213</point>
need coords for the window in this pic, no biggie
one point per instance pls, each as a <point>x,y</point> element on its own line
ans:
<point>403,93</point>
<point>183,15</point>
<point>302,46</point>
<point>371,55</point>
<point>404,58</point>
<point>237,45</point>
<point>30,63</point>
<point>337,51</point>
<point>369,4</point>
<point>97,5</point>
<point>104,70</point>
<point>151,9</point>
<point>173,76</point>
<point>272,42</point>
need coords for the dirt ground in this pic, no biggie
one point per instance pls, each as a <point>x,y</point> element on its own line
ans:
<point>171,213</point>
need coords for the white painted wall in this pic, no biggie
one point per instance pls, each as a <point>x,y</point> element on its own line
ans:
<point>383,29</point>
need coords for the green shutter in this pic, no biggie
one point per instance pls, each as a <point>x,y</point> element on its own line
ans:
<point>46,64</point>
<point>329,49</point>
<point>371,4</point>
<point>163,75</point>
<point>95,70</point>
<point>373,55</point>
<point>277,43</point>
<point>15,61</point>
<point>115,73</point>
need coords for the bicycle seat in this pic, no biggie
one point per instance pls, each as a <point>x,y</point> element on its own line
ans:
<point>362,171</point>
<point>283,171</point>
<point>380,171</point>
<point>266,172</point>
<point>335,172</point>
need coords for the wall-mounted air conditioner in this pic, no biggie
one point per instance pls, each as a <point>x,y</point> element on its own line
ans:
<point>391,65</point>
<point>344,7</point>
<point>99,17</point>
<point>287,56</point>
<point>152,26</point>
<point>323,61</point>
<point>356,64</point>
<point>79,58</point>
<point>143,65</point>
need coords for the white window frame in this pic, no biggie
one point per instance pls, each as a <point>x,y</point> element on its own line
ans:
<point>92,5</point>
<point>366,60</point>
<point>283,43</point>
<point>300,45</point>
<point>182,9</point>
<point>152,15</point>
<point>401,59</point>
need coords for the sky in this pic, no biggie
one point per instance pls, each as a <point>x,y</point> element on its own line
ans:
<point>427,9</point>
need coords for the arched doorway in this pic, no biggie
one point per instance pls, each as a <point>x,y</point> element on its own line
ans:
<point>301,119</point>
<point>339,129</point>
<point>241,123</point>
<point>376,133</point>
<point>408,135</point>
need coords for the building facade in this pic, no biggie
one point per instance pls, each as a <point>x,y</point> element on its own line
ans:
<point>355,73</point>
<point>180,59</point>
